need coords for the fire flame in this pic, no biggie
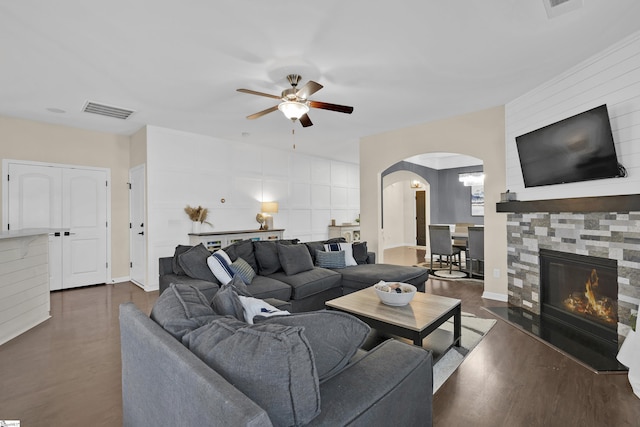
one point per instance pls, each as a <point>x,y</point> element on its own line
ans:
<point>590,303</point>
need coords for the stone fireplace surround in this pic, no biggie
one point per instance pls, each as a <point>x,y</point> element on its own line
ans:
<point>553,224</point>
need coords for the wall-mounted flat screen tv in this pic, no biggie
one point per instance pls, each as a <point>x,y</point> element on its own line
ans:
<point>579,148</point>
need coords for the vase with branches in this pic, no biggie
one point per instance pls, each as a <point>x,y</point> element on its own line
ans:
<point>198,216</point>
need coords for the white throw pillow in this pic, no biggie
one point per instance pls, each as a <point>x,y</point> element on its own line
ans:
<point>257,307</point>
<point>348,251</point>
<point>219,264</point>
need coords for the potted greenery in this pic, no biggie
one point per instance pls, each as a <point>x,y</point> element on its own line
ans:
<point>198,216</point>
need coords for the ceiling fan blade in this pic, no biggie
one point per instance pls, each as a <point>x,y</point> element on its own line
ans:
<point>253,92</point>
<point>332,107</point>
<point>262,113</point>
<point>305,121</point>
<point>308,89</point>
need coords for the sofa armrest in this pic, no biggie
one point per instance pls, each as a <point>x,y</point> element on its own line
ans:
<point>165,266</point>
<point>371,257</point>
<point>164,384</point>
<point>393,381</point>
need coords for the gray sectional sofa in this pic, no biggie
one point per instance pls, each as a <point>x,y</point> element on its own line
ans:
<point>189,365</point>
<point>289,278</point>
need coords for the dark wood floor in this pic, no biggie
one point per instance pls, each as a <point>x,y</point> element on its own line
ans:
<point>66,371</point>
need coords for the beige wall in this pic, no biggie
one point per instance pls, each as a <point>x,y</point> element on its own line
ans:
<point>41,142</point>
<point>480,134</point>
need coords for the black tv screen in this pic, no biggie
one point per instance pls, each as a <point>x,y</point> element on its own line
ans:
<point>579,148</point>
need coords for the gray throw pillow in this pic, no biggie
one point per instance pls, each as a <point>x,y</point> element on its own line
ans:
<point>330,259</point>
<point>177,269</point>
<point>226,302</point>
<point>273,365</point>
<point>241,268</point>
<point>267,257</point>
<point>181,309</point>
<point>194,263</point>
<point>244,250</point>
<point>201,340</point>
<point>360,252</point>
<point>294,259</point>
<point>333,336</point>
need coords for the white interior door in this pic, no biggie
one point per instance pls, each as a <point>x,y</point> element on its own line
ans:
<point>35,201</point>
<point>137,215</point>
<point>73,203</point>
<point>84,206</point>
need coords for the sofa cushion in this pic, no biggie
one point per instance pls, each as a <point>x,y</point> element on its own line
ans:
<point>334,337</point>
<point>227,303</point>
<point>272,364</point>
<point>330,259</point>
<point>242,249</point>
<point>181,309</point>
<point>194,263</point>
<point>309,282</point>
<point>241,268</point>
<point>360,252</point>
<point>267,257</point>
<point>177,269</point>
<point>346,247</point>
<point>265,287</point>
<point>220,265</point>
<point>294,258</point>
<point>362,276</point>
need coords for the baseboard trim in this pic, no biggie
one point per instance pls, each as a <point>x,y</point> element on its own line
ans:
<point>496,297</point>
<point>120,279</point>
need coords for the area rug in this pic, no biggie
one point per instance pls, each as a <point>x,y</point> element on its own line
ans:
<point>473,330</point>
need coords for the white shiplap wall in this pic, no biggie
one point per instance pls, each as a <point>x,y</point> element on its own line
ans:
<point>611,77</point>
<point>24,284</point>
<point>189,169</point>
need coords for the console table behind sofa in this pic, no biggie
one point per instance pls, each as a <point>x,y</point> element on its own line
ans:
<point>220,239</point>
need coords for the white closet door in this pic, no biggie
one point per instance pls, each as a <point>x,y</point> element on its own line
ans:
<point>35,201</point>
<point>84,206</point>
<point>64,198</point>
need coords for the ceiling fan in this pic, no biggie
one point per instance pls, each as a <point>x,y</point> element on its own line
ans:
<point>295,103</point>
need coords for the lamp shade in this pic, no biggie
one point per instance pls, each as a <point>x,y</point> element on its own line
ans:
<point>269,207</point>
<point>293,110</point>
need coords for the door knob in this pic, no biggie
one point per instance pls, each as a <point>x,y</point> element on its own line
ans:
<point>141,233</point>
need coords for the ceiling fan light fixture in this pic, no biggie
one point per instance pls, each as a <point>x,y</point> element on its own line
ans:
<point>293,110</point>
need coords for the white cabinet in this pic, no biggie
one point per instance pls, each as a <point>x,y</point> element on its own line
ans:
<point>220,239</point>
<point>351,232</point>
<point>73,200</point>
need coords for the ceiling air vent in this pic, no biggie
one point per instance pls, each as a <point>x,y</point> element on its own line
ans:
<point>107,110</point>
<point>558,7</point>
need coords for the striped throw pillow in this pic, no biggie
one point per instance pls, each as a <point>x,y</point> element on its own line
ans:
<point>219,263</point>
<point>243,269</point>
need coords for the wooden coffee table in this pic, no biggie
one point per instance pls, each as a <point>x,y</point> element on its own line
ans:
<point>423,315</point>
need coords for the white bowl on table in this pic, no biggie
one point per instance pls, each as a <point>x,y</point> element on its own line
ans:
<point>388,294</point>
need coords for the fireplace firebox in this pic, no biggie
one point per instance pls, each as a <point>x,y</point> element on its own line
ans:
<point>580,292</point>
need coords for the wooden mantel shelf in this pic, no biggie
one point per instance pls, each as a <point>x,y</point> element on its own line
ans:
<point>623,203</point>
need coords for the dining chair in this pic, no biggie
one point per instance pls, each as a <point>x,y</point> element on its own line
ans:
<point>475,244</point>
<point>461,242</point>
<point>441,245</point>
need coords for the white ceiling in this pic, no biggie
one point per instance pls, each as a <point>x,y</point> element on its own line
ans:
<point>177,64</point>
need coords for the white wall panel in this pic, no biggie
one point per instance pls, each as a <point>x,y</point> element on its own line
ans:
<point>339,198</point>
<point>320,196</point>
<point>300,195</point>
<point>611,77</point>
<point>321,171</point>
<point>301,168</point>
<point>339,174</point>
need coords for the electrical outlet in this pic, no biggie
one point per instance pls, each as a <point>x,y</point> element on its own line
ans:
<point>496,273</point>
